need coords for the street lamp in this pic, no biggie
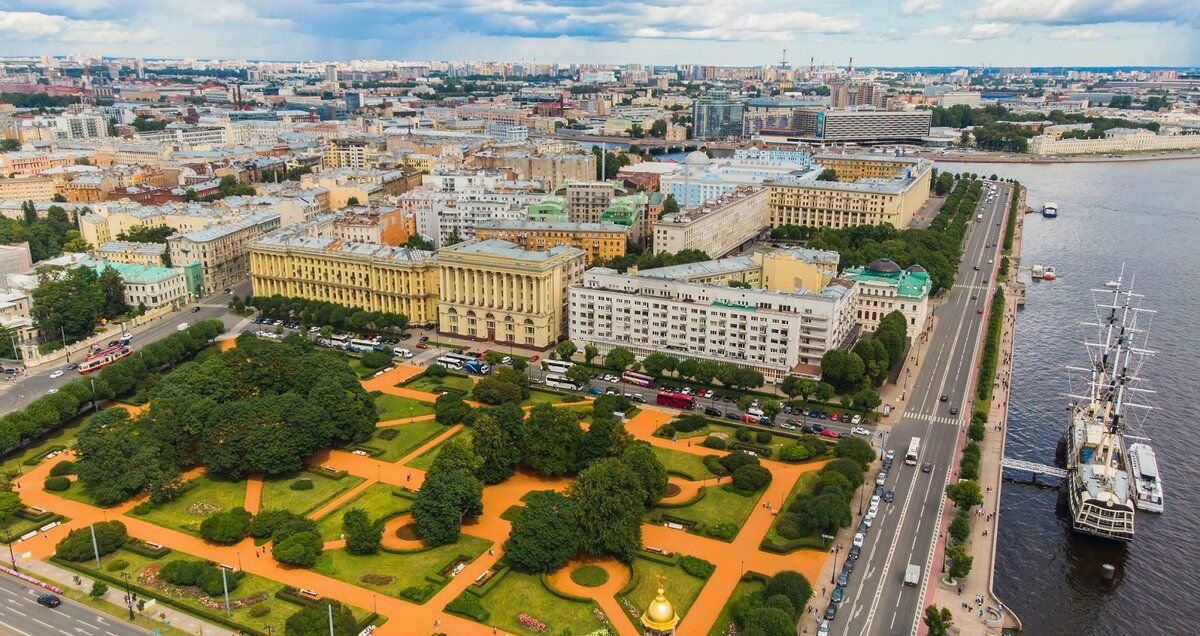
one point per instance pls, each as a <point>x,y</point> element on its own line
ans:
<point>128,595</point>
<point>11,555</point>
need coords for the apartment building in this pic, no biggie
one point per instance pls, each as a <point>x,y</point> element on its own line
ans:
<point>885,287</point>
<point>551,169</point>
<point>383,225</point>
<point>33,163</point>
<point>292,262</point>
<point>587,200</point>
<point>774,333</point>
<point>855,198</point>
<point>66,126</point>
<point>600,241</point>
<point>788,270</point>
<point>358,152</point>
<point>15,258</point>
<point>28,188</point>
<point>149,286</point>
<point>817,125</point>
<point>109,219</point>
<point>702,178</point>
<point>494,290</point>
<point>716,227</point>
<point>221,251</point>
<point>634,212</point>
<point>131,252</point>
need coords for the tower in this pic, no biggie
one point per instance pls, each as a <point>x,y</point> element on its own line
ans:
<point>660,618</point>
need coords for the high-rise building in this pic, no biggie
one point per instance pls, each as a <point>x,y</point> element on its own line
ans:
<point>717,115</point>
<point>331,73</point>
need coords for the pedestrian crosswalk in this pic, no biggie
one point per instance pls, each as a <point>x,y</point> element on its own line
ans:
<point>952,420</point>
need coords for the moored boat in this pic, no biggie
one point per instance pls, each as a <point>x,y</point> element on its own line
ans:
<point>1050,210</point>
<point>1144,469</point>
<point>1048,273</point>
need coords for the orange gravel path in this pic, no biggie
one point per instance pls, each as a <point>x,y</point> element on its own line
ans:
<point>390,540</point>
<point>605,595</point>
<point>254,486</point>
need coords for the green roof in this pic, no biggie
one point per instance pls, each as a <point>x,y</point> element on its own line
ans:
<point>625,210</point>
<point>913,283</point>
<point>135,274</point>
<point>550,208</point>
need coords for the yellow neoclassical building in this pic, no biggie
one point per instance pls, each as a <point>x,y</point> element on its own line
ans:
<point>869,191</point>
<point>602,241</point>
<point>495,290</point>
<point>363,275</point>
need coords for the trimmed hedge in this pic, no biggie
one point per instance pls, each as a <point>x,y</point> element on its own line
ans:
<point>469,607</point>
<point>321,471</point>
<point>139,547</point>
<point>697,567</point>
<point>56,484</point>
<point>482,590</point>
<point>419,594</point>
<point>293,595</point>
<point>658,558</point>
<point>700,494</point>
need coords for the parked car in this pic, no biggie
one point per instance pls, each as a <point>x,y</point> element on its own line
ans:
<point>732,415</point>
<point>823,630</point>
<point>858,430</point>
<point>859,539</point>
<point>890,454</point>
<point>831,611</point>
<point>595,391</point>
<point>881,479</point>
<point>814,414</point>
<point>534,358</point>
<point>808,428</point>
<point>829,433</point>
<point>856,420</point>
<point>787,426</point>
<point>838,593</point>
<point>854,552</point>
<point>889,496</point>
<point>834,417</point>
<point>843,580</point>
<point>817,428</point>
<point>708,410</point>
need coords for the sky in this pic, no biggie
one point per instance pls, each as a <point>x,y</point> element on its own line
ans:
<point>721,32</point>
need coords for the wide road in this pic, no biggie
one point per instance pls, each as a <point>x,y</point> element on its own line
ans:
<point>17,393</point>
<point>876,599</point>
<point>20,614</point>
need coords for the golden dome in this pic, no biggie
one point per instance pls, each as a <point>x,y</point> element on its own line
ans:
<point>660,616</point>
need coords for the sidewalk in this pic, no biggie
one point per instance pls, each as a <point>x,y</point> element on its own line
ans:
<point>152,618</point>
<point>974,605</point>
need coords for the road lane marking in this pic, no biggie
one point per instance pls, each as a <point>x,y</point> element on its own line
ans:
<point>23,633</point>
<point>40,622</point>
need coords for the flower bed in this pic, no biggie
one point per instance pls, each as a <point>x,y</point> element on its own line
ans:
<point>531,623</point>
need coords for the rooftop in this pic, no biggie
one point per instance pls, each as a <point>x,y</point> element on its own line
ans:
<point>146,249</point>
<point>913,282</point>
<point>134,274</point>
<point>702,268</point>
<point>504,249</point>
<point>551,226</point>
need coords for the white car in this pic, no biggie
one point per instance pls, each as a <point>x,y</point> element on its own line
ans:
<point>873,511</point>
<point>874,501</point>
<point>51,391</point>
<point>823,630</point>
<point>859,538</point>
<point>881,479</point>
<point>856,420</point>
<point>868,520</point>
<point>56,374</point>
<point>858,430</point>
<point>891,454</point>
<point>506,360</point>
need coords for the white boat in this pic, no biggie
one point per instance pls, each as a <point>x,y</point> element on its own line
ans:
<point>1050,210</point>
<point>1037,271</point>
<point>1144,469</point>
<point>1048,273</point>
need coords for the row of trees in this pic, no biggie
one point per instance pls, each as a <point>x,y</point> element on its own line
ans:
<point>647,260</point>
<point>322,314</point>
<point>70,301</point>
<point>120,379</point>
<point>776,608</point>
<point>871,360</point>
<point>827,508</point>
<point>661,365</point>
<point>262,407</point>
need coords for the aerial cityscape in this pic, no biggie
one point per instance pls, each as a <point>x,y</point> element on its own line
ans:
<point>598,319</point>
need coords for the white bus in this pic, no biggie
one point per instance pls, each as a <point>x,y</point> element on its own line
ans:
<point>914,449</point>
<point>561,382</point>
<point>365,345</point>
<point>558,366</point>
<point>339,341</point>
<point>454,360</point>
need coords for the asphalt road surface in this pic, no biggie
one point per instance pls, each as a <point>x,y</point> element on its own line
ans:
<point>876,599</point>
<point>20,614</point>
<point>15,394</point>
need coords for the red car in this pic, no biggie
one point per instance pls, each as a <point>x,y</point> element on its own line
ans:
<point>829,433</point>
<point>834,417</point>
<point>533,358</point>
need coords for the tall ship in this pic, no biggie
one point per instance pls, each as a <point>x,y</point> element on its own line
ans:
<point>1050,210</point>
<point>104,357</point>
<point>1100,488</point>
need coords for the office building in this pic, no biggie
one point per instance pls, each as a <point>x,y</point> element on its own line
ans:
<point>774,333</point>
<point>717,115</point>
<point>28,189</point>
<point>828,126</point>
<point>857,198</point>
<point>301,262</point>
<point>1115,140</point>
<point>382,224</point>
<point>716,227</point>
<point>494,290</point>
<point>600,241</point>
<point>974,99</point>
<point>885,287</point>
<point>221,251</point>
<point>787,270</point>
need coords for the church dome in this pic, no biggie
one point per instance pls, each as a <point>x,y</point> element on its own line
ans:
<point>917,268</point>
<point>883,266</point>
<point>660,610</point>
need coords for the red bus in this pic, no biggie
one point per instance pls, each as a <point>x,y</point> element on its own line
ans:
<point>676,400</point>
<point>640,379</point>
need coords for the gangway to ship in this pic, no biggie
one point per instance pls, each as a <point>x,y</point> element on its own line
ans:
<point>1035,469</point>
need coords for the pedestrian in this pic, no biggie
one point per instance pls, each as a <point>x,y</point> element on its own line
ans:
<point>981,612</point>
<point>408,477</point>
<point>822,589</point>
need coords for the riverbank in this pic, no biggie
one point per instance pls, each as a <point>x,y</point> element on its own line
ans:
<point>972,600</point>
<point>1037,159</point>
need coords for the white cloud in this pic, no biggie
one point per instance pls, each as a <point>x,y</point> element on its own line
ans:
<point>35,26</point>
<point>940,31</point>
<point>970,35</point>
<point>920,7</point>
<point>988,30</point>
<point>1085,11</point>
<point>1079,35</point>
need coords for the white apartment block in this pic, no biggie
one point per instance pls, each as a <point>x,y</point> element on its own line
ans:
<point>717,227</point>
<point>774,333</point>
<point>703,179</point>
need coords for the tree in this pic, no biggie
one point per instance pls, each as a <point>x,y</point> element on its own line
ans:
<point>589,353</point>
<point>99,589</point>
<point>650,472</point>
<point>566,349</point>
<point>10,502</point>
<point>771,408</point>
<point>938,620</point>
<point>828,174</point>
<point>687,368</point>
<point>497,449</point>
<point>147,234</point>
<point>313,620</point>
<point>375,360</point>
<point>352,201</point>
<point>855,449</point>
<point>670,205</point>
<point>456,454</point>
<point>825,391</point>
<point>418,242</point>
<point>965,494</point>
<point>68,301</point>
<point>867,400</point>
<point>300,549</point>
<point>544,535</point>
<point>553,451</point>
<point>605,437</point>
<point>76,245</point>
<point>77,545</point>
<point>823,513</point>
<point>492,390</point>
<point>362,536</point>
<point>579,375</point>
<point>636,131</point>
<point>791,386</point>
<point>225,528</point>
<point>961,562</point>
<point>449,408</point>
<point>791,584</point>
<point>619,359</point>
<point>444,500</point>
<point>841,369</point>
<point>610,504</point>
<point>751,477</point>
<point>658,128</point>
<point>115,457</point>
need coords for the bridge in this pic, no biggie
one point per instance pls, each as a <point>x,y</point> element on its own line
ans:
<point>1033,468</point>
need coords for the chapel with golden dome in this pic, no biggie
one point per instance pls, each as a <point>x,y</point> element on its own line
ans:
<point>660,618</point>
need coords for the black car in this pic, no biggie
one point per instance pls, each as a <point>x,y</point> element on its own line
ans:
<point>954,410</point>
<point>889,496</point>
<point>831,611</point>
<point>708,410</point>
<point>817,428</point>
<point>732,415</point>
<point>808,428</point>
<point>405,336</point>
<point>945,397</point>
<point>854,552</point>
<point>843,579</point>
<point>878,491</point>
<point>195,309</point>
<point>424,338</point>
<point>926,467</point>
<point>49,600</point>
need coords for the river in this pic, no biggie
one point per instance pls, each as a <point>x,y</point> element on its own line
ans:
<point>1144,216</point>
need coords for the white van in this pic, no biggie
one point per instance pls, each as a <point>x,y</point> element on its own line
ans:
<point>755,411</point>
<point>402,352</point>
<point>181,326</point>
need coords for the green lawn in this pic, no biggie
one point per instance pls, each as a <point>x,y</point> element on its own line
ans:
<point>435,386</point>
<point>681,588</point>
<point>408,437</point>
<point>77,493</point>
<point>64,437</point>
<point>721,626</point>
<point>425,460</point>
<point>394,407</point>
<point>248,586</point>
<point>189,509</point>
<point>717,506</point>
<point>408,569</point>
<point>377,500</point>
<point>520,593</point>
<point>15,526</point>
<point>277,493</point>
<point>539,397</point>
<point>686,463</point>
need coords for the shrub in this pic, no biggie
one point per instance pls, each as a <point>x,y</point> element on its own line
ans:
<point>589,575</point>
<point>302,549</point>
<point>794,453</point>
<point>387,434</point>
<point>975,432</point>
<point>362,536</point>
<point>375,360</point>
<point>182,572</point>
<point>57,484</point>
<point>744,435</point>
<point>301,484</point>
<point>763,437</point>
<point>751,477</point>
<point>418,594</point>
<point>143,508</point>
<point>259,610</point>
<point>62,468</point>
<point>791,584</point>
<point>713,464</point>
<point>468,605</point>
<point>713,441</point>
<point>736,460</point>
<point>99,588</point>
<point>722,531</point>
<point>77,546</point>
<point>116,565</point>
<point>212,583</point>
<point>266,523</point>
<point>697,567</point>
<point>226,528</point>
<point>689,423</point>
<point>787,527</point>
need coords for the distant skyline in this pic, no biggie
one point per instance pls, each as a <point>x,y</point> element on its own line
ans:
<point>719,32</point>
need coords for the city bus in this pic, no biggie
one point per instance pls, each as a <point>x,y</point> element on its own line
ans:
<point>676,400</point>
<point>914,449</point>
<point>561,382</point>
<point>365,345</point>
<point>639,379</point>
<point>338,341</point>
<point>454,360</point>
<point>558,366</point>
